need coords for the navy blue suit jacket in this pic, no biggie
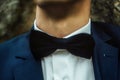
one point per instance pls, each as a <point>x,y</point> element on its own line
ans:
<point>18,63</point>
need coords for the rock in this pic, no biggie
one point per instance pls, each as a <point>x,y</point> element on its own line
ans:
<point>15,17</point>
<point>117,12</point>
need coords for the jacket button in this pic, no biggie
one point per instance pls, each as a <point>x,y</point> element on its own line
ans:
<point>104,55</point>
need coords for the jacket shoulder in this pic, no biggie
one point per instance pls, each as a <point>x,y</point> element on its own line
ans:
<point>111,30</point>
<point>108,28</point>
<point>8,52</point>
<point>14,41</point>
<point>9,47</point>
<point>104,25</point>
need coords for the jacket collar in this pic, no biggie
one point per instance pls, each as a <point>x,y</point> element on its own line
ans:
<point>105,58</point>
<point>26,67</point>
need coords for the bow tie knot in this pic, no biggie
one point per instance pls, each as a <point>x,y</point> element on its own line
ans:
<point>42,44</point>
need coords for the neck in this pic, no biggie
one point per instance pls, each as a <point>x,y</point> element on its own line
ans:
<point>78,17</point>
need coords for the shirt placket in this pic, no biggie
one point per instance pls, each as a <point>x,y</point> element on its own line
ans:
<point>59,62</point>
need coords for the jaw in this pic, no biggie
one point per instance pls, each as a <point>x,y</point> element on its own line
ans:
<point>57,9</point>
<point>46,1</point>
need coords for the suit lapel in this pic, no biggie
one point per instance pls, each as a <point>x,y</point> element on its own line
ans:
<point>105,58</point>
<point>27,68</point>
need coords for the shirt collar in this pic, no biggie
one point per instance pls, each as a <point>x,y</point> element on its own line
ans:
<point>84,29</point>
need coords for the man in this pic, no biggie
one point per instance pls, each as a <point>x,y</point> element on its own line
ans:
<point>63,45</point>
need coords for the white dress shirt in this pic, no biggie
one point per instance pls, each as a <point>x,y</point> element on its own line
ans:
<point>62,65</point>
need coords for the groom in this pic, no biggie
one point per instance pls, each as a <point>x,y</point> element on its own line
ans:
<point>63,44</point>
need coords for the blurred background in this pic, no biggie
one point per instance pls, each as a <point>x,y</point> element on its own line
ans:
<point>17,16</point>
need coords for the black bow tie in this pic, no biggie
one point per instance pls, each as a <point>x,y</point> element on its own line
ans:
<point>42,44</point>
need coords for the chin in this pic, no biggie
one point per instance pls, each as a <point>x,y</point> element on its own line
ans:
<point>43,2</point>
<point>57,9</point>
